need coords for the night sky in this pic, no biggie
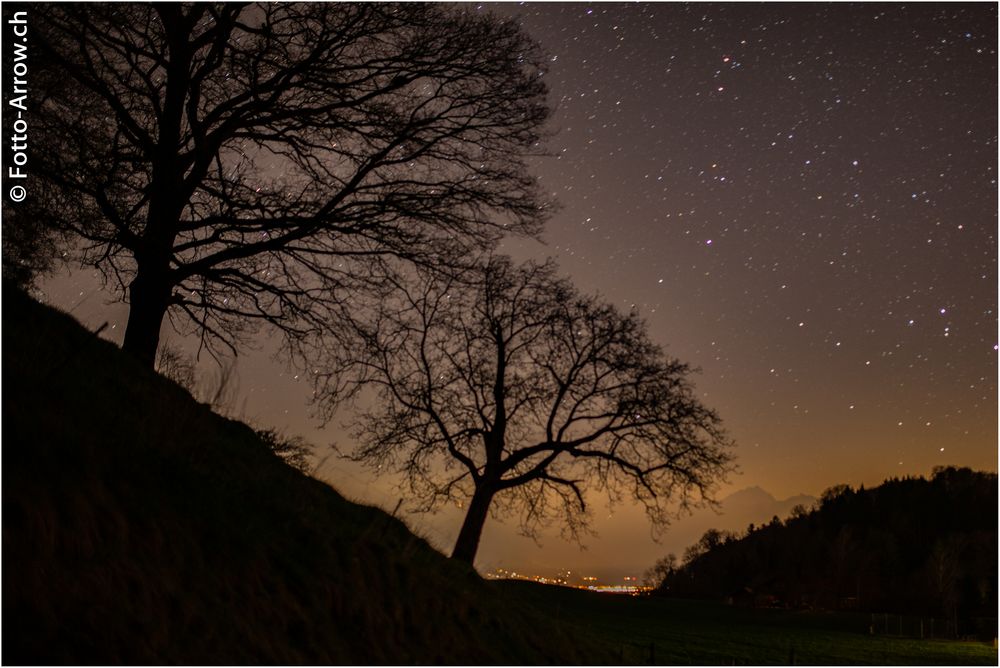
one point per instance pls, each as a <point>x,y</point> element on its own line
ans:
<point>801,200</point>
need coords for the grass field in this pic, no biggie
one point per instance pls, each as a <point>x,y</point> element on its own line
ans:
<point>644,630</point>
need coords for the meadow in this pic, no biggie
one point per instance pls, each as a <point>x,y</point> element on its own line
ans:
<point>654,630</point>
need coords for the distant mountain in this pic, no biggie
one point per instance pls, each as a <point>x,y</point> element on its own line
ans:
<point>755,505</point>
<point>736,512</point>
<point>626,546</point>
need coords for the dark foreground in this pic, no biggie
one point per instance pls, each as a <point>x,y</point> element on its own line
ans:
<point>644,630</point>
<point>141,528</point>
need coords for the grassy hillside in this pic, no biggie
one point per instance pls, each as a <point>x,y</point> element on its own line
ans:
<point>139,527</point>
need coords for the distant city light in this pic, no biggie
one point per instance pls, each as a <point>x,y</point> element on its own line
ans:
<point>591,582</point>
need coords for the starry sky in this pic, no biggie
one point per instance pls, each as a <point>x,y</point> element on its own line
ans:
<point>802,199</point>
<point>802,202</point>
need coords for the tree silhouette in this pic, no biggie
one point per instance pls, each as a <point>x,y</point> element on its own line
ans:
<point>910,546</point>
<point>513,392</point>
<point>29,246</point>
<point>31,243</point>
<point>659,572</point>
<point>229,164</point>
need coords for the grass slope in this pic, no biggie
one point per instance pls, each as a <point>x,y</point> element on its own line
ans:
<point>686,632</point>
<point>139,527</point>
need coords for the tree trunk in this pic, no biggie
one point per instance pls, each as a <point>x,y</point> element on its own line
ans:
<point>150,291</point>
<point>148,301</point>
<point>472,528</point>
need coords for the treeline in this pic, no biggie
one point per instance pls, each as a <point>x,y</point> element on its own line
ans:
<point>911,545</point>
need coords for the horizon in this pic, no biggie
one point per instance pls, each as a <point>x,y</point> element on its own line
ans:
<point>791,217</point>
<point>555,553</point>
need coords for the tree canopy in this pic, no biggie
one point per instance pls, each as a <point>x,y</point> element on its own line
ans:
<point>510,390</point>
<point>910,545</point>
<point>226,164</point>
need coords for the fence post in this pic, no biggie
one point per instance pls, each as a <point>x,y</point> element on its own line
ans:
<point>921,628</point>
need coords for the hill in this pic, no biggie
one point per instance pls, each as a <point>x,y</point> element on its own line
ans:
<point>913,545</point>
<point>735,512</point>
<point>139,527</point>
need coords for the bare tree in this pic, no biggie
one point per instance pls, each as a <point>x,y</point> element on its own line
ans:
<point>229,164</point>
<point>661,571</point>
<point>516,393</point>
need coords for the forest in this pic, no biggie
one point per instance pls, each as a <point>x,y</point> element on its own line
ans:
<point>911,546</point>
